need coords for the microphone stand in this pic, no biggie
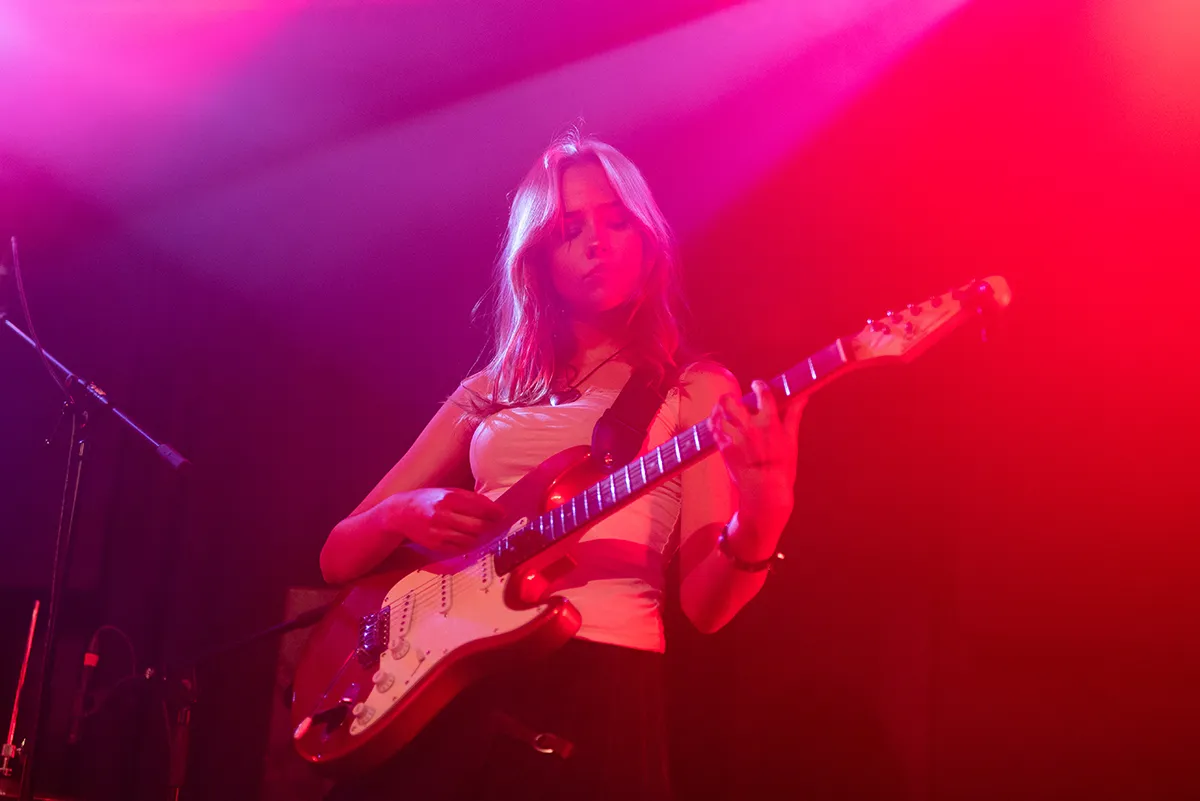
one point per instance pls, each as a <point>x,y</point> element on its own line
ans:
<point>95,397</point>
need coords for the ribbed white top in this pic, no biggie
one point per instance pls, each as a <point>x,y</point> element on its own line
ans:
<point>619,581</point>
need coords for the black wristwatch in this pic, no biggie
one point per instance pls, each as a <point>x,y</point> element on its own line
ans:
<point>742,564</point>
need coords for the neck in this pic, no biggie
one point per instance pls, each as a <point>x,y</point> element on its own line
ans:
<point>595,336</point>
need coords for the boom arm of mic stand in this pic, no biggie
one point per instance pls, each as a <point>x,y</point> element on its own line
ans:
<point>174,458</point>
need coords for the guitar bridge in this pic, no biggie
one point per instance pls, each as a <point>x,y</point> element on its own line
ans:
<point>374,632</point>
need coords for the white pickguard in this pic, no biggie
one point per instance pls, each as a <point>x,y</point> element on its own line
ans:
<point>431,615</point>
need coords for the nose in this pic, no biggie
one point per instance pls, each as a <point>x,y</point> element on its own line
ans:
<point>597,242</point>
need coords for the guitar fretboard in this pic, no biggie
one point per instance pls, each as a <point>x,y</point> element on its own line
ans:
<point>626,483</point>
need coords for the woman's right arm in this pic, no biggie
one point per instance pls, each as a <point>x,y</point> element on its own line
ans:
<point>412,501</point>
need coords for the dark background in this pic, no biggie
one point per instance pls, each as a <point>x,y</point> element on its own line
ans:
<point>262,227</point>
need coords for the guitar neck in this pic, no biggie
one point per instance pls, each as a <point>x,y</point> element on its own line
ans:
<point>624,484</point>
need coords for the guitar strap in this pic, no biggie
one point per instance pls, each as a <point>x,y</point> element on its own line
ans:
<point>621,430</point>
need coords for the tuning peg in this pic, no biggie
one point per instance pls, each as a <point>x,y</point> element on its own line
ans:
<point>914,309</point>
<point>878,326</point>
<point>908,328</point>
<point>896,318</point>
<point>935,301</point>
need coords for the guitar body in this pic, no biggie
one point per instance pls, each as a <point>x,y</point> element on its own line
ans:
<point>400,644</point>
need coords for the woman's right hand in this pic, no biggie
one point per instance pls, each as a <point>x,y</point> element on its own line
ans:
<point>444,520</point>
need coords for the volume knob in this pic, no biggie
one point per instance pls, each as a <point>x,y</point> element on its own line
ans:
<point>399,647</point>
<point>383,680</point>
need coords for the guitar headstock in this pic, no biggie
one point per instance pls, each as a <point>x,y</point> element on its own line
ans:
<point>904,334</point>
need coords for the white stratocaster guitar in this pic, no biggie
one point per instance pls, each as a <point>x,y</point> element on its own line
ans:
<point>399,645</point>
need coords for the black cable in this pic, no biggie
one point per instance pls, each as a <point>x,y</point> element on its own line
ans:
<point>124,638</point>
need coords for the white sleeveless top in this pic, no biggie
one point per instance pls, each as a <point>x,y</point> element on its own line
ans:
<point>618,582</point>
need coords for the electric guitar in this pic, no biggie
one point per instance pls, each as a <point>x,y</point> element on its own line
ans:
<point>398,645</point>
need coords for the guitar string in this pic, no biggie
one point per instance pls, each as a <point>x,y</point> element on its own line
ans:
<point>431,588</point>
<point>700,434</point>
<point>701,431</point>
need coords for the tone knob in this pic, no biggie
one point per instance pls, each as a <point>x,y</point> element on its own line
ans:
<point>383,680</point>
<point>362,712</point>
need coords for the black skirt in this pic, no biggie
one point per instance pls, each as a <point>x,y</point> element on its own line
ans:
<point>607,702</point>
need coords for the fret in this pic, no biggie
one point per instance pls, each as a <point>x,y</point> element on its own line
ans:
<point>678,455</point>
<point>562,519</point>
<point>574,516</point>
<point>551,514</point>
<point>586,514</point>
<point>812,369</point>
<point>787,391</point>
<point>628,486</point>
<point>612,488</point>
<point>696,436</point>
<point>542,527</point>
<point>830,359</point>
<point>658,453</point>
<point>642,464</point>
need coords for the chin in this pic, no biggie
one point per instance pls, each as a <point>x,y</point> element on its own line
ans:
<point>613,303</point>
<point>602,304</point>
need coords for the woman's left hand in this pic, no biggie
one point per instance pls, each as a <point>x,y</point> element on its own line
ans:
<point>760,452</point>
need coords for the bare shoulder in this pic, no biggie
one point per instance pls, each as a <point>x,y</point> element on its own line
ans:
<point>471,395</point>
<point>701,385</point>
<point>476,384</point>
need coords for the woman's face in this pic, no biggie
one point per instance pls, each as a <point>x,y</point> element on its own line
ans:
<point>596,263</point>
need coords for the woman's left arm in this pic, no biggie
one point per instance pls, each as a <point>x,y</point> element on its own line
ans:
<point>749,488</point>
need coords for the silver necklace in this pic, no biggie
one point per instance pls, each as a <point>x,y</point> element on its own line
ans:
<point>572,393</point>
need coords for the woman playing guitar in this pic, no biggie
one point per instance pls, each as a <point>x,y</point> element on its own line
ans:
<point>586,291</point>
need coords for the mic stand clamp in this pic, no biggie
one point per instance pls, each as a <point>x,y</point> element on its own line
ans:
<point>10,758</point>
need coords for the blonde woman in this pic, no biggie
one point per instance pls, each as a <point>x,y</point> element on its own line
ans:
<point>586,291</point>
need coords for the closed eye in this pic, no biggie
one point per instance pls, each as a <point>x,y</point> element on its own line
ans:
<point>613,214</point>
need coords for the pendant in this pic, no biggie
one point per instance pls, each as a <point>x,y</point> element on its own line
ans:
<point>568,395</point>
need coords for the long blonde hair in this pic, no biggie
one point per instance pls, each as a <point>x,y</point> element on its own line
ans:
<point>532,341</point>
